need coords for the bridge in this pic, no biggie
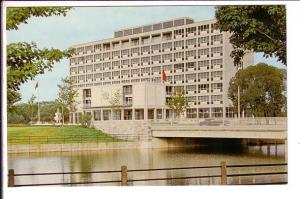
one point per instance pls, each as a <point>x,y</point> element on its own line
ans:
<point>249,128</point>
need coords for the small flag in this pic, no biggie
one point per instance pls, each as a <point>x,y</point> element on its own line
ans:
<point>36,85</point>
<point>164,76</point>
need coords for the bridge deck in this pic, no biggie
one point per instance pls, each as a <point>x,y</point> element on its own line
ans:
<point>245,131</point>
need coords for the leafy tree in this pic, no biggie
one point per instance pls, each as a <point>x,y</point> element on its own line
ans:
<point>31,104</point>
<point>26,60</point>
<point>114,101</point>
<point>66,96</point>
<point>261,90</point>
<point>177,103</point>
<point>85,120</point>
<point>258,28</point>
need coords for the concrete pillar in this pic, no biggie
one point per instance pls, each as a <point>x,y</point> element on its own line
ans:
<point>145,113</point>
<point>122,114</point>
<point>286,150</point>
<point>154,112</point>
<point>133,114</point>
<point>101,113</point>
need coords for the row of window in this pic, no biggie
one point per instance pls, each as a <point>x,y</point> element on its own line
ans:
<point>147,39</point>
<point>177,56</point>
<point>180,67</point>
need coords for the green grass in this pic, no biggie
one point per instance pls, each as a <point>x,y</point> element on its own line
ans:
<point>56,135</point>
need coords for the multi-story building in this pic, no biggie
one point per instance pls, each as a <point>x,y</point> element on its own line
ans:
<point>121,78</point>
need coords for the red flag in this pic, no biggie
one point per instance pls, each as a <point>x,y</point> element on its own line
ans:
<point>164,76</point>
<point>36,85</point>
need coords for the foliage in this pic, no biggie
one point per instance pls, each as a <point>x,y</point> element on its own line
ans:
<point>115,102</point>
<point>261,28</point>
<point>25,60</point>
<point>177,103</point>
<point>17,15</point>
<point>24,113</point>
<point>67,95</point>
<point>261,90</point>
<point>85,120</point>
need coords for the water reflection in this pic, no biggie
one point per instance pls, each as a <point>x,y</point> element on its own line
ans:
<point>142,158</point>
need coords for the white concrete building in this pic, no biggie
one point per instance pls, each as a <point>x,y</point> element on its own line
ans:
<point>194,55</point>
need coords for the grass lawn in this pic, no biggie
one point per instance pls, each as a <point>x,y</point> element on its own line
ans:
<point>55,135</point>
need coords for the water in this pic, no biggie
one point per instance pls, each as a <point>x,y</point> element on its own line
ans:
<point>146,158</point>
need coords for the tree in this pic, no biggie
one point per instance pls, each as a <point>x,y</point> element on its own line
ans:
<point>85,120</point>
<point>25,60</point>
<point>177,103</point>
<point>261,90</point>
<point>31,104</point>
<point>258,28</point>
<point>115,102</point>
<point>66,96</point>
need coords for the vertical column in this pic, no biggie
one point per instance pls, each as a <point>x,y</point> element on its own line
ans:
<point>154,112</point>
<point>122,114</point>
<point>146,113</point>
<point>101,115</point>
<point>133,114</point>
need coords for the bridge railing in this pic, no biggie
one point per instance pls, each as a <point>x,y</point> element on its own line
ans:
<point>224,173</point>
<point>279,121</point>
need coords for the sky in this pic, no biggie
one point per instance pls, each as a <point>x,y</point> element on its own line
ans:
<point>85,24</point>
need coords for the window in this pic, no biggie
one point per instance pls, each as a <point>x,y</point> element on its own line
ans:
<point>73,61</point>
<point>127,90</point>
<point>155,47</point>
<point>135,80</point>
<point>135,50</point>
<point>125,52</point>
<point>98,76</point>
<point>167,57</point>
<point>215,98</point>
<point>179,44</point>
<point>127,114</point>
<point>203,112</point>
<point>89,68</point>
<point>135,71</point>
<point>106,65</point>
<point>203,99</point>
<point>73,69</point>
<point>73,79</point>
<point>145,59</point>
<point>216,50</point>
<point>217,112</point>
<point>125,72</point>
<point>145,49</point>
<point>167,67</point>
<point>156,69</point>
<point>106,114</point>
<point>213,27</point>
<point>116,73</point>
<point>79,50</point>
<point>204,75</point>
<point>203,87</point>
<point>216,38</point>
<point>145,80</point>
<point>216,74</point>
<point>145,70</point>
<point>179,32</point>
<point>135,61</point>
<point>167,45</point>
<point>216,62</point>
<point>97,115</point>
<point>156,79</point>
<point>203,41</point>
<point>179,55</point>
<point>191,88</point>
<point>89,48</point>
<point>87,93</point>
<point>204,28</point>
<point>97,47</point>
<point>106,55</point>
<point>125,62</point>
<point>191,65</point>
<point>191,76</point>
<point>191,42</point>
<point>191,30</point>
<point>179,67</point>
<point>107,74</point>
<point>178,78</point>
<point>156,58</point>
<point>81,69</point>
<point>203,64</point>
<point>169,79</point>
<point>216,86</point>
<point>98,67</point>
<point>191,53</point>
<point>203,52</point>
<point>116,63</point>
<point>97,57</point>
<point>139,114</point>
<point>191,113</point>
<point>116,53</point>
<point>81,59</point>
<point>81,78</point>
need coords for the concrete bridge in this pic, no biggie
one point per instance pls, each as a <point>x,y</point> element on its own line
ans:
<point>243,129</point>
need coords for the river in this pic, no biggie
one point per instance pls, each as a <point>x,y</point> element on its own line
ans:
<point>145,159</point>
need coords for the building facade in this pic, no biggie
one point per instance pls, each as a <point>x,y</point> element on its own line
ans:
<point>121,78</point>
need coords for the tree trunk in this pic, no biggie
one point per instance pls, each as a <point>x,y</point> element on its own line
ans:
<point>62,115</point>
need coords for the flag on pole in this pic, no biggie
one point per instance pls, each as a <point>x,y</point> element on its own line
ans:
<point>36,85</point>
<point>164,76</point>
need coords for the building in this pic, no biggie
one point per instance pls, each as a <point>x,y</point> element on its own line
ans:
<point>121,78</point>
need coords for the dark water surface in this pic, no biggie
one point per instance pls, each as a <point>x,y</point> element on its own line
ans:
<point>147,159</point>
